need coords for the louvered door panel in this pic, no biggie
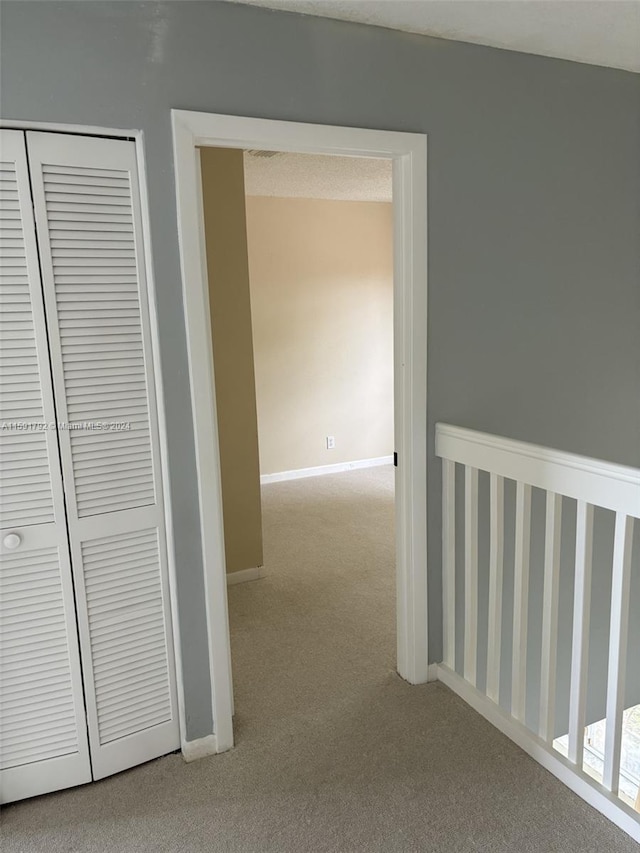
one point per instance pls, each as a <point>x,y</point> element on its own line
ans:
<point>43,737</point>
<point>88,218</point>
<point>126,624</point>
<point>98,308</point>
<point>36,688</point>
<point>25,478</point>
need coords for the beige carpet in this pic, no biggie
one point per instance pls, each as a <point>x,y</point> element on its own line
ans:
<point>334,752</point>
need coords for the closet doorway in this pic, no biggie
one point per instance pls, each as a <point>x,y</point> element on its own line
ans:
<point>87,668</point>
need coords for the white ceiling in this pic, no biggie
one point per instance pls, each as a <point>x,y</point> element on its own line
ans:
<point>318,176</point>
<point>599,32</point>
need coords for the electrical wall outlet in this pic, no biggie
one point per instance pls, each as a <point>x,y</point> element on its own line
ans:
<point>331,442</point>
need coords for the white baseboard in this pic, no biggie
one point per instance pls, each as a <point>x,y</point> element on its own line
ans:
<point>192,750</point>
<point>432,672</point>
<point>245,575</point>
<point>300,473</point>
<point>584,786</point>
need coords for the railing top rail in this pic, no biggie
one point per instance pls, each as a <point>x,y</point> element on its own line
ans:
<point>601,483</point>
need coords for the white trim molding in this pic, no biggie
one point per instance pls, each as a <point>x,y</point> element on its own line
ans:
<point>584,786</point>
<point>245,575</point>
<point>408,152</point>
<point>604,484</point>
<point>193,750</point>
<point>319,470</point>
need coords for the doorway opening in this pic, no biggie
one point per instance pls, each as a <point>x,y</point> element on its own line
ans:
<point>300,267</point>
<point>407,152</point>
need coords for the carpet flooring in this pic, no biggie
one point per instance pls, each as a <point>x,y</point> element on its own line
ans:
<point>335,753</point>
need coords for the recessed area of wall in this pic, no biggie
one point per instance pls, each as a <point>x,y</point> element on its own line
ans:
<point>226,241</point>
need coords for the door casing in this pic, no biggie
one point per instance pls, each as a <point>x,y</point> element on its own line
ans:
<point>408,152</point>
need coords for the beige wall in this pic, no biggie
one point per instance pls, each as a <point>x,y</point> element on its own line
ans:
<point>226,240</point>
<point>321,276</point>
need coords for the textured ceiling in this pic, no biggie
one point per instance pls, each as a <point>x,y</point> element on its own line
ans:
<point>599,32</point>
<point>318,176</point>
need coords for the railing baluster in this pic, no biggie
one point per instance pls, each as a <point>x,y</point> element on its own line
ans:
<point>618,637</point>
<point>553,527</point>
<point>562,476</point>
<point>470,573</point>
<point>496,565</point>
<point>521,600</point>
<point>449,561</point>
<point>580,645</point>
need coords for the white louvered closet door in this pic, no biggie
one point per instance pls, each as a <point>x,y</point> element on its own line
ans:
<point>88,221</point>
<point>43,736</point>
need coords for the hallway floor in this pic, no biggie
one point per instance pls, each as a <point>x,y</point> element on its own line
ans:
<point>335,753</point>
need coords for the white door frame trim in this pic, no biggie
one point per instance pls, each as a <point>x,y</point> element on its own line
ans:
<point>408,151</point>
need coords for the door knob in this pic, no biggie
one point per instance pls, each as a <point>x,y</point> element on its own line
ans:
<point>11,541</point>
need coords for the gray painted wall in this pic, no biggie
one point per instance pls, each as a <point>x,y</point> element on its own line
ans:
<point>534,303</point>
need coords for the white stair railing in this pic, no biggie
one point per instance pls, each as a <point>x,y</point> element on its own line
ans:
<point>591,483</point>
